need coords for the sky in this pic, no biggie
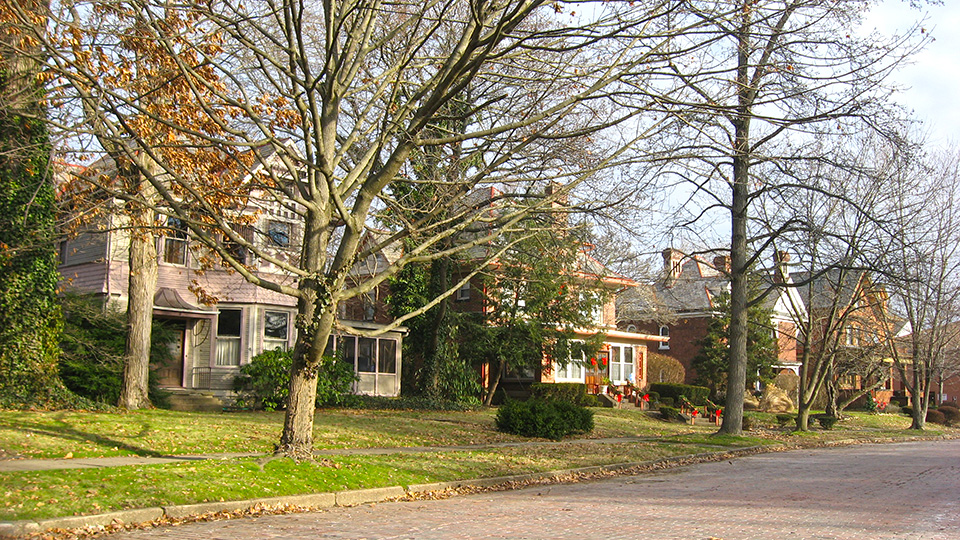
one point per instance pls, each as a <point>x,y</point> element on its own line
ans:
<point>932,79</point>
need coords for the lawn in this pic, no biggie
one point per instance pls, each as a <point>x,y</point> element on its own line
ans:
<point>89,491</point>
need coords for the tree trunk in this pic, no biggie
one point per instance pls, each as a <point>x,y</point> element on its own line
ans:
<point>142,287</point>
<point>494,382</point>
<point>737,374</point>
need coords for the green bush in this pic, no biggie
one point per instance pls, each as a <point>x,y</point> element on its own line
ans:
<point>950,413</point>
<point>654,396</point>
<point>666,402</point>
<point>783,420</point>
<point>696,394</point>
<point>826,421</point>
<point>748,422</point>
<point>266,380</point>
<point>575,393</point>
<point>892,408</point>
<point>907,410</point>
<point>669,413</point>
<point>936,417</point>
<point>541,418</point>
<point>409,403</point>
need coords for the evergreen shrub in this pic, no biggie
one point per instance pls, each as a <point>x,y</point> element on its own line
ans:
<point>950,413</point>
<point>936,417</point>
<point>826,421</point>
<point>697,395</point>
<point>266,381</point>
<point>669,413</point>
<point>541,418</point>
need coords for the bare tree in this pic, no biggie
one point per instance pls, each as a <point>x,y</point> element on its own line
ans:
<point>925,265</point>
<point>320,108</point>
<point>764,86</point>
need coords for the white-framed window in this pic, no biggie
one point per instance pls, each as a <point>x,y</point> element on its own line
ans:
<point>366,355</point>
<point>664,332</point>
<point>175,242</point>
<point>573,371</point>
<point>463,293</point>
<point>276,330</point>
<point>228,337</point>
<point>622,364</point>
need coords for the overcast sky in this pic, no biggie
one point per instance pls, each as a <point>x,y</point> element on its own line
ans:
<point>933,78</point>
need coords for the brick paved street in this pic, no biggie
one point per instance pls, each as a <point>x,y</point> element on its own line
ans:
<point>907,491</point>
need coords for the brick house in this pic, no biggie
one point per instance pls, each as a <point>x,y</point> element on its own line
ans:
<point>680,304</point>
<point>622,357</point>
<point>849,314</point>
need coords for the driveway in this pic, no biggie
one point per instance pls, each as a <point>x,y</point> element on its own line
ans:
<point>893,491</point>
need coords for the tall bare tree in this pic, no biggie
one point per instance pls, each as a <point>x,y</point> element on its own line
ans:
<point>764,85</point>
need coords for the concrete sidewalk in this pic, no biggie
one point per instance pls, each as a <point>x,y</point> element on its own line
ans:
<point>20,465</point>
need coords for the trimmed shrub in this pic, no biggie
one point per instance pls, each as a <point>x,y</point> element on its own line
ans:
<point>541,418</point>
<point>654,396</point>
<point>936,417</point>
<point>575,393</point>
<point>665,402</point>
<point>907,411</point>
<point>409,403</point>
<point>826,421</point>
<point>892,408</point>
<point>749,422</point>
<point>696,394</point>
<point>783,420</point>
<point>669,413</point>
<point>950,413</point>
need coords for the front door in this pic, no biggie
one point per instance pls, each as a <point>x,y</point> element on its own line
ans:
<point>170,368</point>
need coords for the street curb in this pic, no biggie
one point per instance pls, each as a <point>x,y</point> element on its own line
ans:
<point>14,529</point>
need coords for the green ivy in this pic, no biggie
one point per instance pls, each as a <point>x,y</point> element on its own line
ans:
<point>30,319</point>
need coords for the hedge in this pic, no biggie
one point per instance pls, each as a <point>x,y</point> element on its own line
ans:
<point>696,394</point>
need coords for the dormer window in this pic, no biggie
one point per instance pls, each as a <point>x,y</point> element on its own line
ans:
<point>665,333</point>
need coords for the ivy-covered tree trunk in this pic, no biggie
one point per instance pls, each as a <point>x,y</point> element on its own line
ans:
<point>30,320</point>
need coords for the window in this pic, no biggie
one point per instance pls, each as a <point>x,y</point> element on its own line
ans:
<point>573,371</point>
<point>631,328</point>
<point>622,367</point>
<point>369,304</point>
<point>366,355</point>
<point>175,242</point>
<point>279,233</point>
<point>228,337</point>
<point>387,360</point>
<point>463,293</point>
<point>275,330</point>
<point>235,250</point>
<point>664,332</point>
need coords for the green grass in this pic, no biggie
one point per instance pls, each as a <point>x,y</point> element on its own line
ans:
<point>43,494</point>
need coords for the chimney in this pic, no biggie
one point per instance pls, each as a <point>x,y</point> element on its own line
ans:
<point>721,263</point>
<point>781,266</point>
<point>672,264</point>
<point>559,207</point>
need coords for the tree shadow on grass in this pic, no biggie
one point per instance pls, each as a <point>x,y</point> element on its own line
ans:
<point>64,431</point>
